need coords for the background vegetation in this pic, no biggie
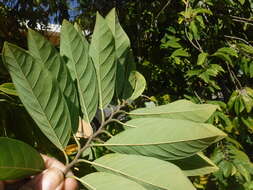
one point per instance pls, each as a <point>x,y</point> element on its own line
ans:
<point>196,49</point>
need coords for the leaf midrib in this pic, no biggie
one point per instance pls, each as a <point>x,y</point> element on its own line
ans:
<point>124,174</point>
<point>159,113</point>
<point>20,168</point>
<point>160,143</point>
<point>43,111</point>
<point>78,79</point>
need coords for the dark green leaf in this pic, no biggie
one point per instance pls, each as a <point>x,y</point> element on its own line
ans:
<point>18,160</point>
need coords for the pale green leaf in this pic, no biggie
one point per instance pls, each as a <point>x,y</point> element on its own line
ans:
<point>107,181</point>
<point>196,165</point>
<point>46,54</point>
<point>18,160</point>
<point>181,109</point>
<point>40,93</point>
<point>166,139</point>
<point>152,173</point>
<point>75,48</point>
<point>8,88</point>
<point>202,58</point>
<point>122,49</point>
<point>136,86</point>
<point>102,52</point>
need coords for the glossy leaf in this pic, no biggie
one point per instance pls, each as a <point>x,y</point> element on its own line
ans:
<point>8,88</point>
<point>107,181</point>
<point>167,139</point>
<point>46,54</point>
<point>152,173</point>
<point>196,165</point>
<point>75,48</point>
<point>181,109</point>
<point>18,160</point>
<point>40,93</point>
<point>102,52</point>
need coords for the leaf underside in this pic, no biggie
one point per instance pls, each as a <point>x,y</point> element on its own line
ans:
<point>46,54</point>
<point>102,52</point>
<point>40,93</point>
<point>181,109</point>
<point>75,48</point>
<point>107,181</point>
<point>166,139</point>
<point>144,170</point>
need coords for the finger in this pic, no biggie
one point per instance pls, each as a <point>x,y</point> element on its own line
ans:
<point>50,179</point>
<point>70,184</point>
<point>52,163</point>
<point>1,185</point>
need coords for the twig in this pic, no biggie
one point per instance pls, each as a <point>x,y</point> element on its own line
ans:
<point>196,94</point>
<point>164,7</point>
<point>187,36</point>
<point>197,42</point>
<point>66,157</point>
<point>88,142</point>
<point>242,21</point>
<point>237,38</point>
<point>241,18</point>
<point>107,133</point>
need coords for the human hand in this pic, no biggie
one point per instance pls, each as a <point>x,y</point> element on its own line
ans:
<point>52,178</point>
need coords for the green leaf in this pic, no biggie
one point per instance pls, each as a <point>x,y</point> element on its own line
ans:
<point>180,53</point>
<point>107,181</point>
<point>122,49</point>
<point>8,88</point>
<point>46,54</point>
<point>194,29</point>
<point>166,139</point>
<point>102,52</point>
<point>228,51</point>
<point>40,93</point>
<point>75,48</point>
<point>242,2</point>
<point>246,48</point>
<point>232,99</point>
<point>248,102</point>
<point>171,43</point>
<point>196,165</point>
<point>223,56</point>
<point>181,109</point>
<point>18,160</point>
<point>202,58</point>
<point>202,10</point>
<point>152,173</point>
<point>136,86</point>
